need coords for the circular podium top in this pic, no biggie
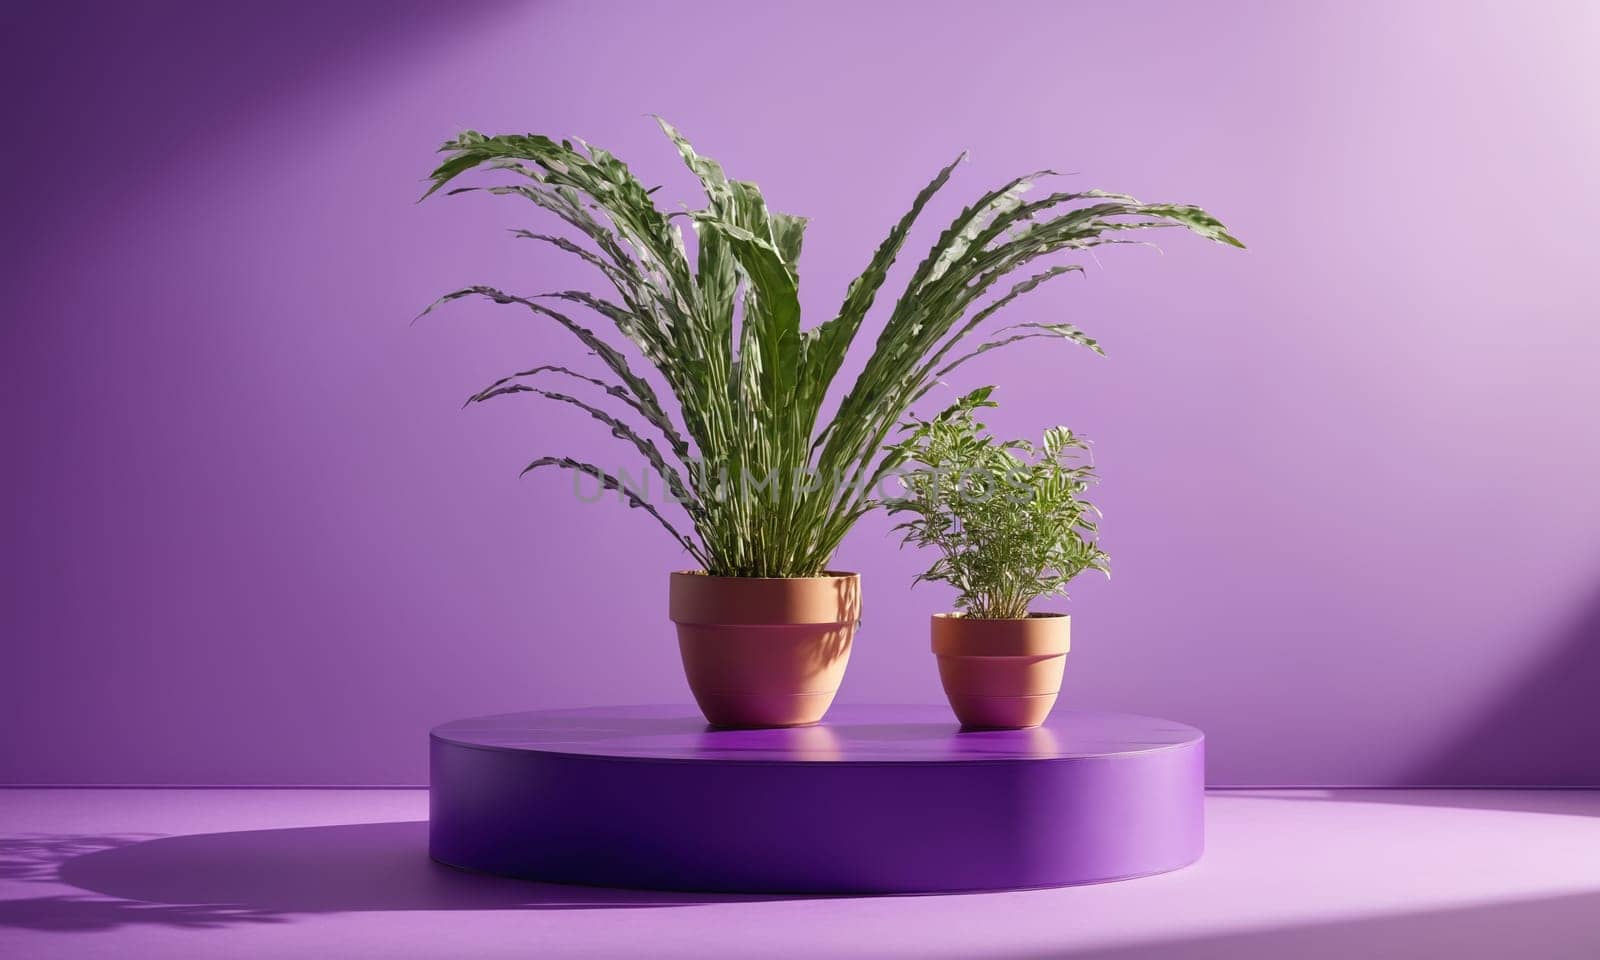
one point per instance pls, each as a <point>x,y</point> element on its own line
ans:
<point>849,735</point>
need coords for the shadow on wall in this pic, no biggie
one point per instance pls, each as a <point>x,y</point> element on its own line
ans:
<point>1544,732</point>
<point>220,66</point>
<point>266,876</point>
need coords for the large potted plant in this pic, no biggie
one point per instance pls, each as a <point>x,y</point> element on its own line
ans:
<point>1011,526</point>
<point>768,484</point>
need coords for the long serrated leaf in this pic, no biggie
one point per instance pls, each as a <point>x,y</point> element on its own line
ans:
<point>609,482</point>
<point>510,384</point>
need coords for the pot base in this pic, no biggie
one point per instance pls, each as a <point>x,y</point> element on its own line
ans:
<point>1001,713</point>
<point>741,712</point>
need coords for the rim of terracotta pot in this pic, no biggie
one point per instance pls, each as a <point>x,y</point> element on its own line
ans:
<point>825,575</point>
<point>1045,634</point>
<point>698,597</point>
<point>1032,615</point>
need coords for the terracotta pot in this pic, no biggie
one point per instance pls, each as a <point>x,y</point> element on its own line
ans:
<point>1001,674</point>
<point>764,652</point>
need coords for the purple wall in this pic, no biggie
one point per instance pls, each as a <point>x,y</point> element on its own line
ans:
<point>1349,473</point>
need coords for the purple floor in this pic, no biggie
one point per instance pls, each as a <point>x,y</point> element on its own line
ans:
<point>311,873</point>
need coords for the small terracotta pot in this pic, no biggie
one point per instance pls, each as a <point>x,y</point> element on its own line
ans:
<point>764,652</point>
<point>1001,674</point>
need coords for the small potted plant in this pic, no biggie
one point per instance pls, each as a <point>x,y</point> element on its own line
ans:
<point>1011,526</point>
<point>768,482</point>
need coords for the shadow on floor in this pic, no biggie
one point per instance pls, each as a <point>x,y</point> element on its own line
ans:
<point>226,880</point>
<point>1555,928</point>
<point>39,856</point>
<point>263,876</point>
<point>1573,802</point>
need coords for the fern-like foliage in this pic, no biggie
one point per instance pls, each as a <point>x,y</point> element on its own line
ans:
<point>1009,519</point>
<point>769,489</point>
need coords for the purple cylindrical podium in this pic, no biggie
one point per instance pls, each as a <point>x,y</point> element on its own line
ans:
<point>877,799</point>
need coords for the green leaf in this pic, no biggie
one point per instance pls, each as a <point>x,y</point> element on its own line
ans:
<point>723,330</point>
<point>609,482</point>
